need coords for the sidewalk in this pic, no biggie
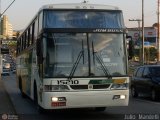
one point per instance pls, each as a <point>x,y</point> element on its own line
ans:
<point>6,106</point>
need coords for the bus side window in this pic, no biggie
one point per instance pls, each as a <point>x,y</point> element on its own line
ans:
<point>51,56</point>
<point>39,51</point>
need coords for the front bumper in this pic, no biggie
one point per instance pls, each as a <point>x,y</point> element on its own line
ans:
<point>85,99</point>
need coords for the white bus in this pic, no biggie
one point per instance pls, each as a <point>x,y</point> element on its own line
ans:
<point>74,56</point>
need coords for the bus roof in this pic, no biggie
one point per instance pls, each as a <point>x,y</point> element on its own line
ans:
<point>79,6</point>
<point>76,6</point>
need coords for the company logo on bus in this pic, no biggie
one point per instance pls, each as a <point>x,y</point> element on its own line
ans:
<point>108,30</point>
<point>90,86</point>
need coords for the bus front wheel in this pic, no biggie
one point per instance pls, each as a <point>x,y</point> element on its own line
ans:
<point>100,109</point>
<point>39,108</point>
<point>20,88</point>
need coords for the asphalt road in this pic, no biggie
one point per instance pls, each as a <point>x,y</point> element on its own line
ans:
<point>139,108</point>
<point>6,105</point>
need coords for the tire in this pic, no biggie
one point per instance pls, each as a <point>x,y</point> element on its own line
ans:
<point>39,108</point>
<point>23,95</point>
<point>154,95</point>
<point>100,109</point>
<point>134,93</point>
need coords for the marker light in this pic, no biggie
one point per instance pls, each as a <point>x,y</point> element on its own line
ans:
<point>119,84</point>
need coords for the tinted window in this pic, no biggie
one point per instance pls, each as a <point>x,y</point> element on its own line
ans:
<point>146,71</point>
<point>83,19</point>
<point>36,29</point>
<point>155,71</point>
<point>139,72</point>
<point>40,21</point>
<point>135,72</point>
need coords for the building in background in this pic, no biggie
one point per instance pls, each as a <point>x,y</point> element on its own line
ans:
<point>6,28</point>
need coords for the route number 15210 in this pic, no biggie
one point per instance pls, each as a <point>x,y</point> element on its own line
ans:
<point>67,82</point>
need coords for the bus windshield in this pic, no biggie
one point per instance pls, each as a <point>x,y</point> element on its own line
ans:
<point>96,54</point>
<point>83,19</point>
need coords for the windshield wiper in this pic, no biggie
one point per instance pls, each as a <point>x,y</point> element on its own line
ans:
<point>104,68</point>
<point>81,53</point>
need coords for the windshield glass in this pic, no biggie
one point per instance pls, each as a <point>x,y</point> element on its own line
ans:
<point>107,51</point>
<point>84,54</point>
<point>83,19</point>
<point>63,50</point>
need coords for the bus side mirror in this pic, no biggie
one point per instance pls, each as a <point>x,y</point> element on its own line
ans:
<point>38,46</point>
<point>130,47</point>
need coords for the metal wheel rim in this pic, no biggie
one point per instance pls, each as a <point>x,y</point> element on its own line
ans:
<point>153,95</point>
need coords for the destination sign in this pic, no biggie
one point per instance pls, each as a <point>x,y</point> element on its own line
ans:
<point>78,30</point>
<point>108,30</point>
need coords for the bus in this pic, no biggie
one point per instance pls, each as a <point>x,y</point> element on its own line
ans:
<point>5,65</point>
<point>74,56</point>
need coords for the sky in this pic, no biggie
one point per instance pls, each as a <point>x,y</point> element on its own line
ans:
<point>22,11</point>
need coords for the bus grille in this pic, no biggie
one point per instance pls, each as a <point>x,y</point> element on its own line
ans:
<point>85,87</point>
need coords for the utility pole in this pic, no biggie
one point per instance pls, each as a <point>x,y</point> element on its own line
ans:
<point>142,32</point>
<point>7,8</point>
<point>1,14</point>
<point>139,21</point>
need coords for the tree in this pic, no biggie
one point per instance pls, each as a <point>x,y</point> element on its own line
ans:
<point>155,25</point>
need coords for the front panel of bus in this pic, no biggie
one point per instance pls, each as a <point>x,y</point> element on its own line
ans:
<point>84,59</point>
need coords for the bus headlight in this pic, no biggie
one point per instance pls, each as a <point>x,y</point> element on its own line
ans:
<point>54,99</point>
<point>116,86</point>
<point>48,88</point>
<point>58,101</point>
<point>122,97</point>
